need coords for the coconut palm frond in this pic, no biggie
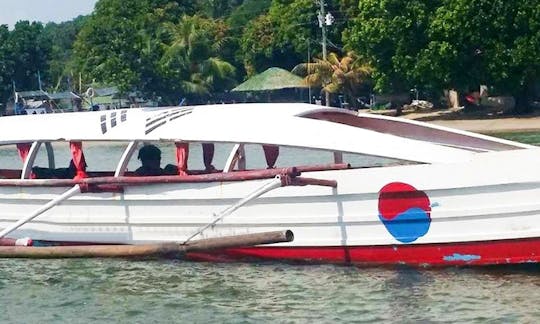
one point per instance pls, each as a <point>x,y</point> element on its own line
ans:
<point>301,69</point>
<point>331,88</point>
<point>218,67</point>
<point>336,74</point>
<point>332,59</point>
<point>347,63</point>
<point>193,88</point>
<point>362,67</point>
<point>313,80</point>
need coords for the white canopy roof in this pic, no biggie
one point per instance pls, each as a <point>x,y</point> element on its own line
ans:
<point>279,124</point>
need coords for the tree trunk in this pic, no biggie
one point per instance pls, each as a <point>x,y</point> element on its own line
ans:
<point>327,98</point>
<point>522,97</point>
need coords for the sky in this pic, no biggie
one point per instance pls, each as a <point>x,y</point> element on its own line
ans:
<point>44,11</point>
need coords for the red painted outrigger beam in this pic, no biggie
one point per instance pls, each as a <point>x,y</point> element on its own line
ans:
<point>115,184</point>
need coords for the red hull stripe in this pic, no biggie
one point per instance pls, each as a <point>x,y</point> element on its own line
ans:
<point>447,254</point>
<point>470,253</point>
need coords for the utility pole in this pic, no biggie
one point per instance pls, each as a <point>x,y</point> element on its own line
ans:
<point>308,72</point>
<point>322,24</point>
<point>325,19</point>
<point>39,80</point>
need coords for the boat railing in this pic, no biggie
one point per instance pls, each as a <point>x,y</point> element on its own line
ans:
<point>115,184</point>
<point>193,176</point>
<point>10,173</point>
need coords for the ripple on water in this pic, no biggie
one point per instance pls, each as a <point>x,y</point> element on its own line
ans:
<point>171,291</point>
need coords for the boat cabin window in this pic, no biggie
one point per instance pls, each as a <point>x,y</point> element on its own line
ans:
<point>102,157</point>
<point>55,154</point>
<point>197,156</point>
<point>256,156</point>
<point>165,151</point>
<point>54,159</point>
<point>11,163</point>
<point>356,160</point>
<point>182,158</point>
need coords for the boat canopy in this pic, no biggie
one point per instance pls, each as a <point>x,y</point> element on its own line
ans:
<point>286,124</point>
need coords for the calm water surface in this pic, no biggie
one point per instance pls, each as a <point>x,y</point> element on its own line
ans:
<point>168,291</point>
<point>119,291</point>
<point>527,137</point>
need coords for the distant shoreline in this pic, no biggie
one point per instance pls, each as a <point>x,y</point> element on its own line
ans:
<point>479,122</point>
<point>500,125</point>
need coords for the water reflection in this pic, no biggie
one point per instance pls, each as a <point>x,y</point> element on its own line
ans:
<point>174,291</point>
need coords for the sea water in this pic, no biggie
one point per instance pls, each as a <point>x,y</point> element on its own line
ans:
<point>524,137</point>
<point>172,291</point>
<point>165,291</point>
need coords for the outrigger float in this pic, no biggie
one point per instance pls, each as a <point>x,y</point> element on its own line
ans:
<point>354,188</point>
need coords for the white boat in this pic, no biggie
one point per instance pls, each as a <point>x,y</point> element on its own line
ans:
<point>353,188</point>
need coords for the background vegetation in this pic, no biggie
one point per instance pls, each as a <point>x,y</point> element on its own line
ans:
<point>198,48</point>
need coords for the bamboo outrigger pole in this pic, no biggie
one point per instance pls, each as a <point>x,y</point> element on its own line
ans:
<point>173,250</point>
<point>277,182</point>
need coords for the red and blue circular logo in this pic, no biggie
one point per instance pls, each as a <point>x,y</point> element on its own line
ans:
<point>404,211</point>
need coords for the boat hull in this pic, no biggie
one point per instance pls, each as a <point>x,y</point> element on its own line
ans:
<point>417,215</point>
<point>422,255</point>
<point>482,253</point>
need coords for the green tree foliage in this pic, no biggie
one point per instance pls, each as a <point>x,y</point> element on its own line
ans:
<point>246,12</point>
<point>190,63</point>
<point>24,52</point>
<point>173,48</point>
<point>257,45</point>
<point>390,34</point>
<point>61,38</point>
<point>107,48</point>
<point>239,18</point>
<point>288,30</point>
<point>458,44</point>
<point>7,66</point>
<point>484,42</point>
<point>121,42</point>
<point>295,23</point>
<point>525,69</point>
<point>217,8</point>
<point>282,35</point>
<point>30,53</point>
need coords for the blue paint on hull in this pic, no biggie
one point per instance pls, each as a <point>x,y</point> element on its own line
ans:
<point>408,226</point>
<point>462,257</point>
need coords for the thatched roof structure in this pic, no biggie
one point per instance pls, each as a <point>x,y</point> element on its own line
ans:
<point>272,79</point>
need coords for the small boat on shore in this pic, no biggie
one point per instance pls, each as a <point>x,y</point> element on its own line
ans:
<point>354,188</point>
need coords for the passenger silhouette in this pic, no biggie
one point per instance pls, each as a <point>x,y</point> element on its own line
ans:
<point>150,156</point>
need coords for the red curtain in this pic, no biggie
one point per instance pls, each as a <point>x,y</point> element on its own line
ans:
<point>182,154</point>
<point>271,153</point>
<point>77,157</point>
<point>208,155</point>
<point>24,149</point>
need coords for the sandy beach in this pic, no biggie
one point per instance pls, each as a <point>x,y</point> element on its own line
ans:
<point>480,122</point>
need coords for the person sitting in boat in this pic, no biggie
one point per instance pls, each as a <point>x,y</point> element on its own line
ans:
<point>58,173</point>
<point>150,156</point>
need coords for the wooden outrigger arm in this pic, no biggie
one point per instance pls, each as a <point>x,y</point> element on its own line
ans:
<point>288,178</point>
<point>283,180</point>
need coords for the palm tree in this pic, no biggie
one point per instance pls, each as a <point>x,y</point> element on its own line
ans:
<point>191,62</point>
<point>335,75</point>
